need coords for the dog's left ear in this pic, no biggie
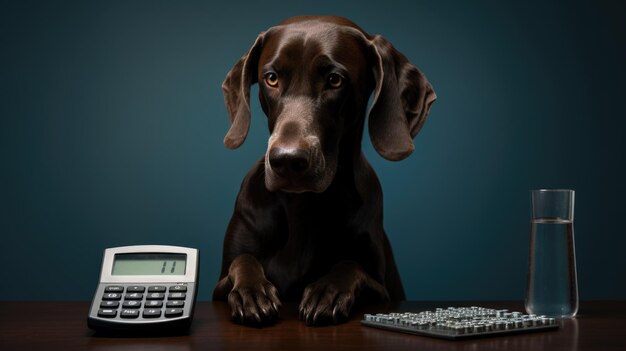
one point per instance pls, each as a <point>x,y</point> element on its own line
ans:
<point>402,100</point>
<point>236,89</point>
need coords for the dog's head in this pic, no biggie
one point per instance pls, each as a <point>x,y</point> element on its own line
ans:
<point>315,77</point>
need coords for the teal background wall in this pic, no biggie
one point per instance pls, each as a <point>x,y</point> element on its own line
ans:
<point>112,119</point>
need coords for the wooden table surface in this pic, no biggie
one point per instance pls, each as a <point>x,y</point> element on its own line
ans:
<point>48,325</point>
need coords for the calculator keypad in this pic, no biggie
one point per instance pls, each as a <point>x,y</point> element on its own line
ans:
<point>133,298</point>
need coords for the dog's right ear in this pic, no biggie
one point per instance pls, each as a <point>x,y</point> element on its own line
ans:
<point>236,88</point>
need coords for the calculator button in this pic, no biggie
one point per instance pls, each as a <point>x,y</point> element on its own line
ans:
<point>154,303</point>
<point>107,313</point>
<point>175,303</point>
<point>133,296</point>
<point>131,304</point>
<point>111,296</point>
<point>173,312</point>
<point>129,314</point>
<point>114,288</point>
<point>109,304</point>
<point>156,289</point>
<point>151,313</point>
<point>135,288</point>
<point>178,288</point>
<point>177,296</point>
<point>155,296</point>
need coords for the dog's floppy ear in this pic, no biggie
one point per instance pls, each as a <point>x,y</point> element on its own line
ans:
<point>236,88</point>
<point>402,100</point>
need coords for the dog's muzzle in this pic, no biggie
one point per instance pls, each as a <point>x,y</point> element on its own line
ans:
<point>297,167</point>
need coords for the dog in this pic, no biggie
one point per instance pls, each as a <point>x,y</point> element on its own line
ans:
<point>308,220</point>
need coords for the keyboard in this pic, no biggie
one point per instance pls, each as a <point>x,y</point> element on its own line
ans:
<point>456,323</point>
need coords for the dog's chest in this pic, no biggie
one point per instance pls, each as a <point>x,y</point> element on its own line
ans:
<point>316,237</point>
<point>316,231</point>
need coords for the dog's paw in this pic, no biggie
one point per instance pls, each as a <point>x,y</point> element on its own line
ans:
<point>325,302</point>
<point>255,303</point>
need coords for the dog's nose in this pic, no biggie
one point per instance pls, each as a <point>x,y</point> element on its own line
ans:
<point>287,162</point>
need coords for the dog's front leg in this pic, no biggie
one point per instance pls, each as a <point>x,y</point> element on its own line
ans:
<point>251,297</point>
<point>330,299</point>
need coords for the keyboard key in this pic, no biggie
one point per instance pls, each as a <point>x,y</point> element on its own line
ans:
<point>173,312</point>
<point>112,296</point>
<point>175,303</point>
<point>109,304</point>
<point>156,289</point>
<point>129,314</point>
<point>133,296</point>
<point>151,313</point>
<point>154,303</point>
<point>155,296</point>
<point>177,296</point>
<point>107,313</point>
<point>178,288</point>
<point>131,304</point>
<point>136,288</point>
<point>114,288</point>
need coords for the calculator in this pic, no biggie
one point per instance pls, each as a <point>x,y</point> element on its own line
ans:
<point>145,288</point>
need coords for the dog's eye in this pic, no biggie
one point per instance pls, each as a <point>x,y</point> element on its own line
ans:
<point>271,79</point>
<point>335,81</point>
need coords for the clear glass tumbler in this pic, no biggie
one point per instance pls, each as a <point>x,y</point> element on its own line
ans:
<point>552,282</point>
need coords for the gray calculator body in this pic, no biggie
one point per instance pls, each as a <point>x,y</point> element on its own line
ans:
<point>148,288</point>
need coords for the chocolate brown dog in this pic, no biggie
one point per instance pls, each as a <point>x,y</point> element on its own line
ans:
<point>308,221</point>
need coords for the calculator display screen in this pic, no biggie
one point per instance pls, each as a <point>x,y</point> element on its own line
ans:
<point>149,264</point>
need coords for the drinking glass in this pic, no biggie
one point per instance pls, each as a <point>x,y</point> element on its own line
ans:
<point>552,282</point>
